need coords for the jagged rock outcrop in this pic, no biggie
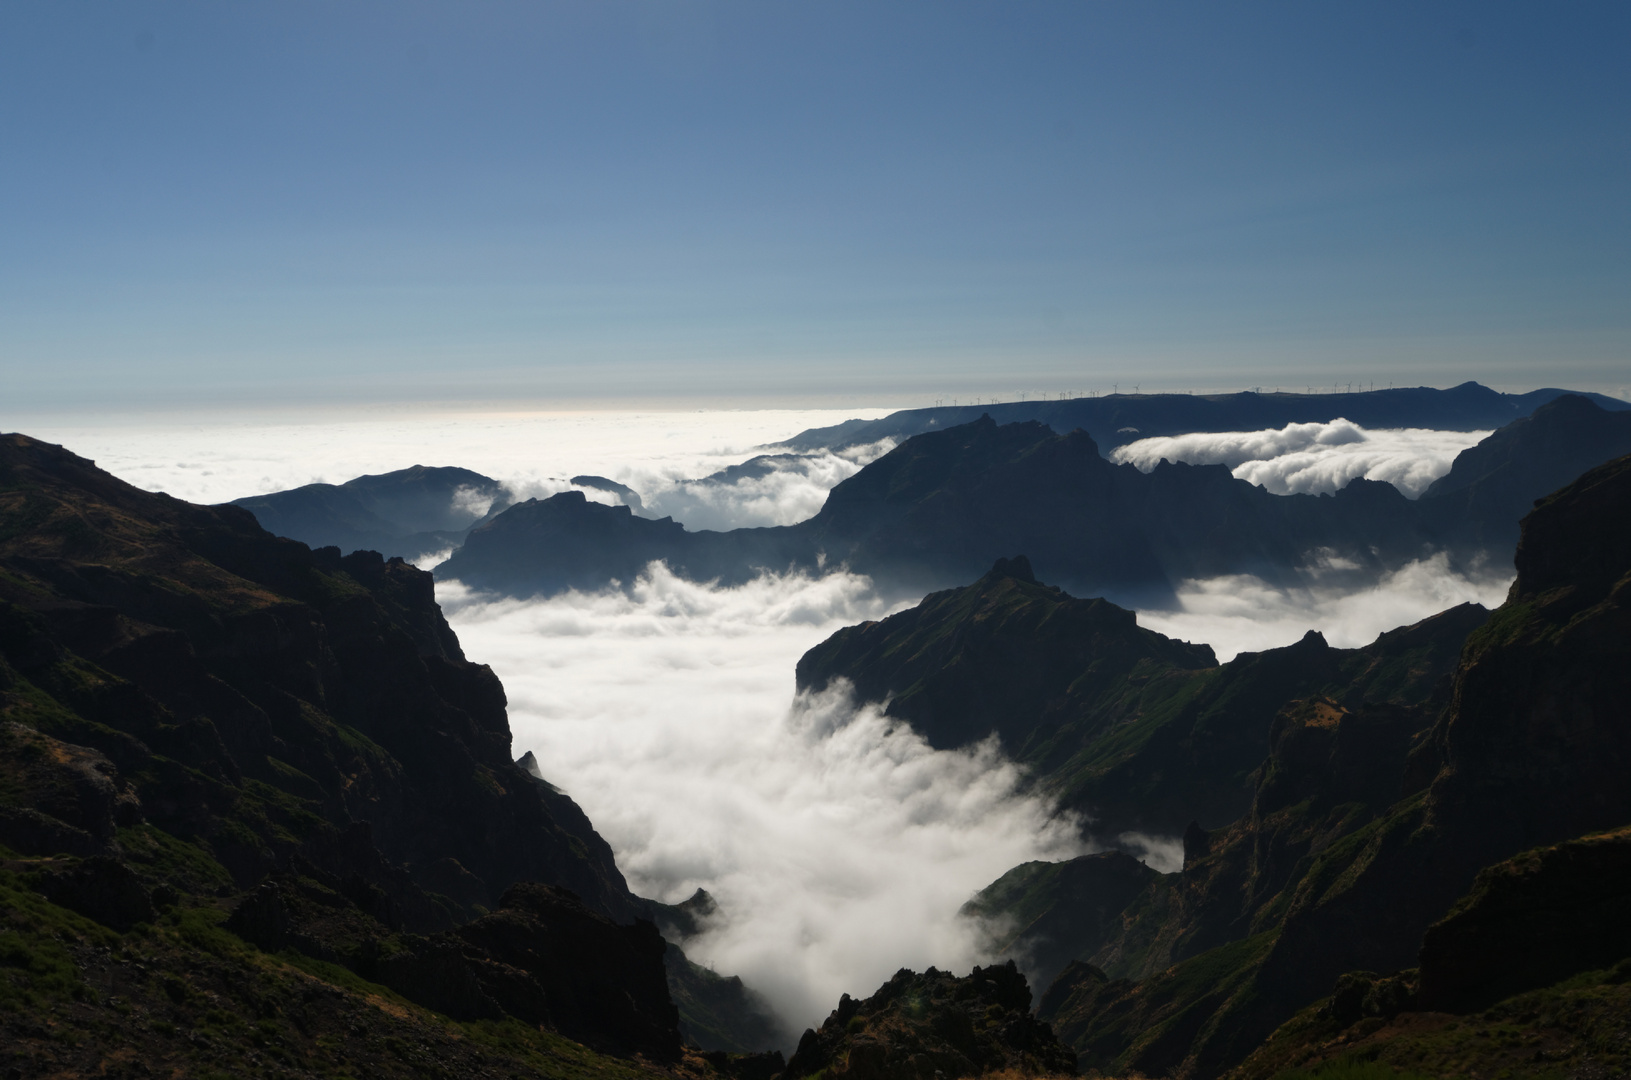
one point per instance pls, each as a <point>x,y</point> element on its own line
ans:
<point>1538,951</point>
<point>1132,728</point>
<point>1531,921</point>
<point>934,1024</point>
<point>1045,914</point>
<point>1319,881</point>
<point>409,513</point>
<point>271,704</point>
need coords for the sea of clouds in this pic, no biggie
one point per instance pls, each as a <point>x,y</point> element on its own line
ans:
<point>1240,613</point>
<point>1312,459</point>
<point>838,844</point>
<point>660,455</point>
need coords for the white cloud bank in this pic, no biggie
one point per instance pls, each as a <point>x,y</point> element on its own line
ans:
<point>783,490</point>
<point>1241,613</point>
<point>1312,458</point>
<point>839,845</point>
<point>224,457</point>
<point>532,454</point>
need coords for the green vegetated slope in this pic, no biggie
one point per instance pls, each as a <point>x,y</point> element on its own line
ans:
<point>258,815</point>
<point>1138,731</point>
<point>1369,788</point>
<point>1365,828</point>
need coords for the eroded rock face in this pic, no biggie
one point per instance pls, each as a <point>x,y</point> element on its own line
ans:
<point>178,665</point>
<point>1529,922</point>
<point>544,957</point>
<point>587,977</point>
<point>1531,750</point>
<point>68,799</point>
<point>1138,731</point>
<point>103,889</point>
<point>934,1025</point>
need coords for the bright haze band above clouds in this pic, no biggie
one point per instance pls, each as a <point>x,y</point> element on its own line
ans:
<point>1312,459</point>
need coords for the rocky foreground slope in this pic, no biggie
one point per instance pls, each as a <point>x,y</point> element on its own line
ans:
<point>1461,854</point>
<point>254,800</point>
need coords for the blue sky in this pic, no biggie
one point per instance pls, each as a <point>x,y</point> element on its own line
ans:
<point>806,203</point>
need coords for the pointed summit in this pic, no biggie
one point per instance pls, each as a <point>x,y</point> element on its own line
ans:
<point>1019,568</point>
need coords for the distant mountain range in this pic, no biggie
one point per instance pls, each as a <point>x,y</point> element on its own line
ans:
<point>409,513</point>
<point>420,511</point>
<point>942,506</point>
<point>1115,419</point>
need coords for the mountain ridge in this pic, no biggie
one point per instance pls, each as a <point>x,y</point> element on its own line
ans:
<point>940,507</point>
<point>1467,407</point>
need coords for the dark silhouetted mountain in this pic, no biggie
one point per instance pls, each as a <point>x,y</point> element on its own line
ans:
<point>408,513</point>
<point>1115,419</point>
<point>630,497</point>
<point>1491,486</point>
<point>1368,822</point>
<point>941,507</point>
<point>564,542</point>
<point>934,1024</point>
<point>1045,914</point>
<point>719,1013</point>
<point>754,468</point>
<point>1006,655</point>
<point>1529,922</point>
<point>200,717</point>
<point>1135,730</point>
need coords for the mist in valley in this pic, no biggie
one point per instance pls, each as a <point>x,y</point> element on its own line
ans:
<point>838,844</point>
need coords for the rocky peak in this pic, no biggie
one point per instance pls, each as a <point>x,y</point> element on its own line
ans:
<point>935,1024</point>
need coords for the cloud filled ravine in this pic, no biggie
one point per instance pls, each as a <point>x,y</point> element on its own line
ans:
<point>838,844</point>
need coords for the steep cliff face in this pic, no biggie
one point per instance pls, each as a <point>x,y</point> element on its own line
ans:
<point>1132,728</point>
<point>268,702</point>
<point>1491,486</point>
<point>409,513</point>
<point>1529,922</point>
<point>1045,915</point>
<point>1529,974</point>
<point>1530,750</point>
<point>202,724</point>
